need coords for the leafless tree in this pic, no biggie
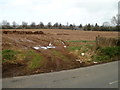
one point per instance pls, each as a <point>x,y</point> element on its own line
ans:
<point>14,24</point>
<point>33,24</point>
<point>5,24</point>
<point>24,24</point>
<point>49,25</point>
<point>56,25</point>
<point>41,25</point>
<point>115,20</point>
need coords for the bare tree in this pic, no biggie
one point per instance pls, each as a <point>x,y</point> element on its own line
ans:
<point>5,24</point>
<point>56,25</point>
<point>60,26</point>
<point>71,26</point>
<point>14,24</point>
<point>24,24</point>
<point>41,25</point>
<point>49,25</point>
<point>106,24</point>
<point>33,25</point>
<point>80,26</point>
<point>114,20</point>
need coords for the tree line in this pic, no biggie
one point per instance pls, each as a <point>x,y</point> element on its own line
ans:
<point>41,25</point>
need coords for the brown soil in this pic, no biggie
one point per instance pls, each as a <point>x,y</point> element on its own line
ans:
<point>72,34</point>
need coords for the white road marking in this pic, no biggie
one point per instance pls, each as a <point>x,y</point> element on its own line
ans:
<point>113,82</point>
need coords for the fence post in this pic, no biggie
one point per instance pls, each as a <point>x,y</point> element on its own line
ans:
<point>97,41</point>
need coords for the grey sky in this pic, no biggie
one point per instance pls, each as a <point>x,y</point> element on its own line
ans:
<point>62,11</point>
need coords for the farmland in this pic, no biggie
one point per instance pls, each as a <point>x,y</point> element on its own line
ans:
<point>73,49</point>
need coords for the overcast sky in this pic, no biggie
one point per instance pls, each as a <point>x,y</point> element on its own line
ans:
<point>62,11</point>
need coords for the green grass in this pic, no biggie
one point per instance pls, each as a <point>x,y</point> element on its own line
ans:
<point>35,60</point>
<point>8,55</point>
<point>90,46</point>
<point>84,41</point>
<point>106,53</point>
<point>84,48</point>
<point>111,51</point>
<point>73,48</point>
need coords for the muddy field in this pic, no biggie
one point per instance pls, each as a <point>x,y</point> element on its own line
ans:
<point>73,35</point>
<point>31,60</point>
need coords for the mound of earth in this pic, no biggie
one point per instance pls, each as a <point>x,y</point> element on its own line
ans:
<point>22,32</point>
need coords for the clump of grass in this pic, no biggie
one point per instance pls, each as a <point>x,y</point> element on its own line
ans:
<point>106,53</point>
<point>73,48</point>
<point>84,50</point>
<point>99,58</point>
<point>35,60</point>
<point>8,55</point>
<point>111,51</point>
<point>90,46</point>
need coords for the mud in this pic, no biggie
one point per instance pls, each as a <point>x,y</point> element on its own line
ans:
<point>23,32</point>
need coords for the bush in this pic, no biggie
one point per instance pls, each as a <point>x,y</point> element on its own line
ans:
<point>99,58</point>
<point>8,55</point>
<point>106,53</point>
<point>111,51</point>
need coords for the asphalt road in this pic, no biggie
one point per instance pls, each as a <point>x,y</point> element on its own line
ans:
<point>97,76</point>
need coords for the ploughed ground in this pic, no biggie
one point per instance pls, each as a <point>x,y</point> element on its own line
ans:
<point>33,61</point>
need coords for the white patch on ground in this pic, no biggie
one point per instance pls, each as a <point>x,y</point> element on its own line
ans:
<point>78,60</point>
<point>113,82</point>
<point>82,54</point>
<point>36,48</point>
<point>50,44</point>
<point>95,62</point>
<point>29,40</point>
<point>50,47</point>
<point>65,46</point>
<point>43,47</point>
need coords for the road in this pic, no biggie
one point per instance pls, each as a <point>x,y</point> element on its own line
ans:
<point>97,76</point>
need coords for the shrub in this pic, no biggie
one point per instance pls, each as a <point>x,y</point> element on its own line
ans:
<point>99,58</point>
<point>111,51</point>
<point>106,53</point>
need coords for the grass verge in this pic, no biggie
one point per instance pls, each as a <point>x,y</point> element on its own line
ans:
<point>106,54</point>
